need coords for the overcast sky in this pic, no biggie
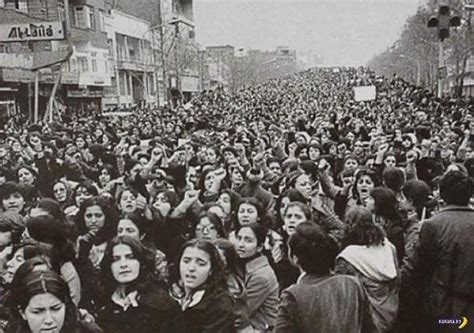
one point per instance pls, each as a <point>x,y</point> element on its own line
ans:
<point>343,32</point>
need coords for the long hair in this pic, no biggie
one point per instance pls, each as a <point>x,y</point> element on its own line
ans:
<point>372,174</point>
<point>110,226</point>
<point>385,203</point>
<point>361,228</point>
<point>418,192</point>
<point>141,253</point>
<point>230,254</point>
<point>217,279</point>
<point>49,231</point>
<point>29,283</point>
<point>140,222</point>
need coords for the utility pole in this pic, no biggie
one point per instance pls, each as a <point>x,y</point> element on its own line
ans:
<point>443,21</point>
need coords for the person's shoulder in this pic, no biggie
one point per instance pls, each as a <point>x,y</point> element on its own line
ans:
<point>331,280</point>
<point>157,297</point>
<point>220,299</point>
<point>447,214</point>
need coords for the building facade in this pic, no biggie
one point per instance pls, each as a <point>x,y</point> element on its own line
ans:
<point>116,54</point>
<point>181,55</point>
<point>86,72</point>
<point>132,58</point>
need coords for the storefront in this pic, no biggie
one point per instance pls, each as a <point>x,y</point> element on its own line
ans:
<point>8,104</point>
<point>84,100</point>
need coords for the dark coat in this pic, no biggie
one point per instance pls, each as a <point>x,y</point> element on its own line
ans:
<point>156,312</point>
<point>80,327</point>
<point>320,304</point>
<point>213,314</point>
<point>442,267</point>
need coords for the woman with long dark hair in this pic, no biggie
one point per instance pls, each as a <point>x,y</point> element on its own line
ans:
<point>135,226</point>
<point>382,202</point>
<point>40,302</point>
<point>235,284</point>
<point>201,289</point>
<point>135,302</point>
<point>371,257</point>
<point>96,224</point>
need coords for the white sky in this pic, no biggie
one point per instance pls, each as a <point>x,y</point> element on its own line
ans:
<point>343,32</point>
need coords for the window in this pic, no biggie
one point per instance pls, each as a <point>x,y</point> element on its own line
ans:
<point>131,54</point>
<point>73,65</point>
<point>83,64</point>
<point>101,20</point>
<point>110,44</point>
<point>22,6</point>
<point>79,17</point>
<point>91,18</point>
<point>94,65</point>
<point>61,13</point>
<point>84,17</point>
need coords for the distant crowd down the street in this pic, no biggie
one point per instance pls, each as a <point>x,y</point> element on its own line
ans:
<point>294,205</point>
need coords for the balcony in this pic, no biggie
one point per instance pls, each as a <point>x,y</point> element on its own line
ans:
<point>134,65</point>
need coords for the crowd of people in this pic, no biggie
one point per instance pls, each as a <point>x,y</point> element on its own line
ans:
<point>286,207</point>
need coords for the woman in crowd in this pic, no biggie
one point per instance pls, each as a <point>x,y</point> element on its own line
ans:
<point>249,210</point>
<point>52,235</point>
<point>295,214</point>
<point>135,226</point>
<point>228,200</point>
<point>129,200</point>
<point>63,195</point>
<point>135,302</point>
<point>281,204</point>
<point>371,257</point>
<point>235,285</point>
<point>12,226</point>
<point>82,192</point>
<point>209,227</point>
<point>14,198</point>
<point>260,279</point>
<point>41,303</point>
<point>96,223</point>
<point>382,203</point>
<point>201,290</point>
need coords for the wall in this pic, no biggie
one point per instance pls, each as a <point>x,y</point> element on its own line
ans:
<point>124,24</point>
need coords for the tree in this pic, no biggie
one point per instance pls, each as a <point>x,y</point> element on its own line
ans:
<point>414,56</point>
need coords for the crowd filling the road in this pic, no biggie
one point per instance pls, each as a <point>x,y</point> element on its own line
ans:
<point>286,207</point>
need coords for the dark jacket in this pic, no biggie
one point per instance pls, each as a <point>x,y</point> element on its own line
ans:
<point>213,314</point>
<point>262,292</point>
<point>80,327</point>
<point>320,304</point>
<point>156,312</point>
<point>442,266</point>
